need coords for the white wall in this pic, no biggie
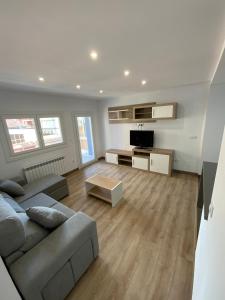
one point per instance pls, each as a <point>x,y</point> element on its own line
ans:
<point>215,121</point>
<point>12,101</point>
<point>210,263</point>
<point>184,134</point>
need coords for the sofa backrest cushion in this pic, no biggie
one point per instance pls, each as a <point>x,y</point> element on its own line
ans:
<point>12,202</point>
<point>46,216</point>
<point>11,187</point>
<point>12,234</point>
<point>33,232</point>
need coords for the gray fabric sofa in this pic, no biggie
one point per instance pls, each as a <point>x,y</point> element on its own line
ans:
<point>50,263</point>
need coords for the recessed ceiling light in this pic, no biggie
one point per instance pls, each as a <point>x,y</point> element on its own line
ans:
<point>126,73</point>
<point>101,91</point>
<point>143,82</point>
<point>40,78</point>
<point>78,86</point>
<point>94,55</point>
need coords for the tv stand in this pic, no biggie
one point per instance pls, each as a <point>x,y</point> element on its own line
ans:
<point>154,160</point>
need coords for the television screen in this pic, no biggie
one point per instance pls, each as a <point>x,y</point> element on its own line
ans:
<point>142,138</point>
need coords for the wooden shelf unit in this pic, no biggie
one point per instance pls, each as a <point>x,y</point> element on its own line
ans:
<point>120,114</point>
<point>144,112</point>
<point>154,160</point>
<point>125,160</point>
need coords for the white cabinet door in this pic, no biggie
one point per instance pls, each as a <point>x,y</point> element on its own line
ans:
<point>161,112</point>
<point>159,163</point>
<point>111,158</point>
<point>140,163</point>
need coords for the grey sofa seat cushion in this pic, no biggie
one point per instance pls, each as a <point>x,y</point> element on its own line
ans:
<point>13,257</point>
<point>47,217</point>
<point>38,200</point>
<point>46,184</point>
<point>40,265</point>
<point>11,187</point>
<point>64,209</point>
<point>33,233</point>
<point>12,234</point>
<point>12,202</point>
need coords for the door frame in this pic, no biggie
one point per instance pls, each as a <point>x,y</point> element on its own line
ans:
<point>77,138</point>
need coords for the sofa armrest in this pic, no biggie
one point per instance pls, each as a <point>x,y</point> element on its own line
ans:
<point>34,269</point>
<point>20,180</point>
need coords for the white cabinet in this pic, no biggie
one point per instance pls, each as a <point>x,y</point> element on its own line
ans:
<point>140,163</point>
<point>111,158</point>
<point>160,163</point>
<point>163,112</point>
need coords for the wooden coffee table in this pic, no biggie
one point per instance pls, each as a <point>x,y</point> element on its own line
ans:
<point>104,188</point>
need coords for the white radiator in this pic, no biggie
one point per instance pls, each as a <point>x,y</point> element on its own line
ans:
<point>54,166</point>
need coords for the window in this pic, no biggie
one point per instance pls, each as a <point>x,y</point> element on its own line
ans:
<point>22,134</point>
<point>32,133</point>
<point>51,131</point>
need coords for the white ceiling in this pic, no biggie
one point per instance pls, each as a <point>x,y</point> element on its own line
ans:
<point>167,42</point>
<point>220,72</point>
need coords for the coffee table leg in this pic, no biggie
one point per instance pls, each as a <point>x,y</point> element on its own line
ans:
<point>117,194</point>
<point>88,186</point>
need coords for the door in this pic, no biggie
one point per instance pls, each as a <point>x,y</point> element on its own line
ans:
<point>140,163</point>
<point>159,163</point>
<point>85,135</point>
<point>163,112</point>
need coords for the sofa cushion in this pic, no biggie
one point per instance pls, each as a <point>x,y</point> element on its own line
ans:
<point>33,232</point>
<point>64,209</point>
<point>46,216</point>
<point>38,200</point>
<point>13,257</point>
<point>12,202</point>
<point>12,234</point>
<point>46,184</point>
<point>11,187</point>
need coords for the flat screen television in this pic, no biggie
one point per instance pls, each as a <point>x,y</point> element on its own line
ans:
<point>142,138</point>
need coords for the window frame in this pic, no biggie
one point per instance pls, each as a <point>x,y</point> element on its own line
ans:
<point>7,143</point>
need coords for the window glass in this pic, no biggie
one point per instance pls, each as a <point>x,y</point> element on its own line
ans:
<point>22,134</point>
<point>51,131</point>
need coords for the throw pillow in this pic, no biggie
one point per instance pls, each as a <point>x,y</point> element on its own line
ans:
<point>11,187</point>
<point>46,216</point>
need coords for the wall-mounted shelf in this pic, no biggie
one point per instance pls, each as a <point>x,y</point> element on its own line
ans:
<point>144,112</point>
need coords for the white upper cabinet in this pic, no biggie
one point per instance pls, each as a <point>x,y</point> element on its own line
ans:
<point>164,111</point>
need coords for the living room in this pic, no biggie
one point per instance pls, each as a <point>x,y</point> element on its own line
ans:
<point>111,125</point>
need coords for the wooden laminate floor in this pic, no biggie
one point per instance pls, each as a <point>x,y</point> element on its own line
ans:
<point>146,242</point>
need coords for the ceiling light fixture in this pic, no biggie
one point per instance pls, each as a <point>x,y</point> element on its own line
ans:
<point>94,55</point>
<point>78,86</point>
<point>40,78</point>
<point>143,82</point>
<point>101,92</point>
<point>126,73</point>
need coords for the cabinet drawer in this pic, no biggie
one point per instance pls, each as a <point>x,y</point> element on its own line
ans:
<point>111,158</point>
<point>159,163</point>
<point>162,112</point>
<point>140,163</point>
